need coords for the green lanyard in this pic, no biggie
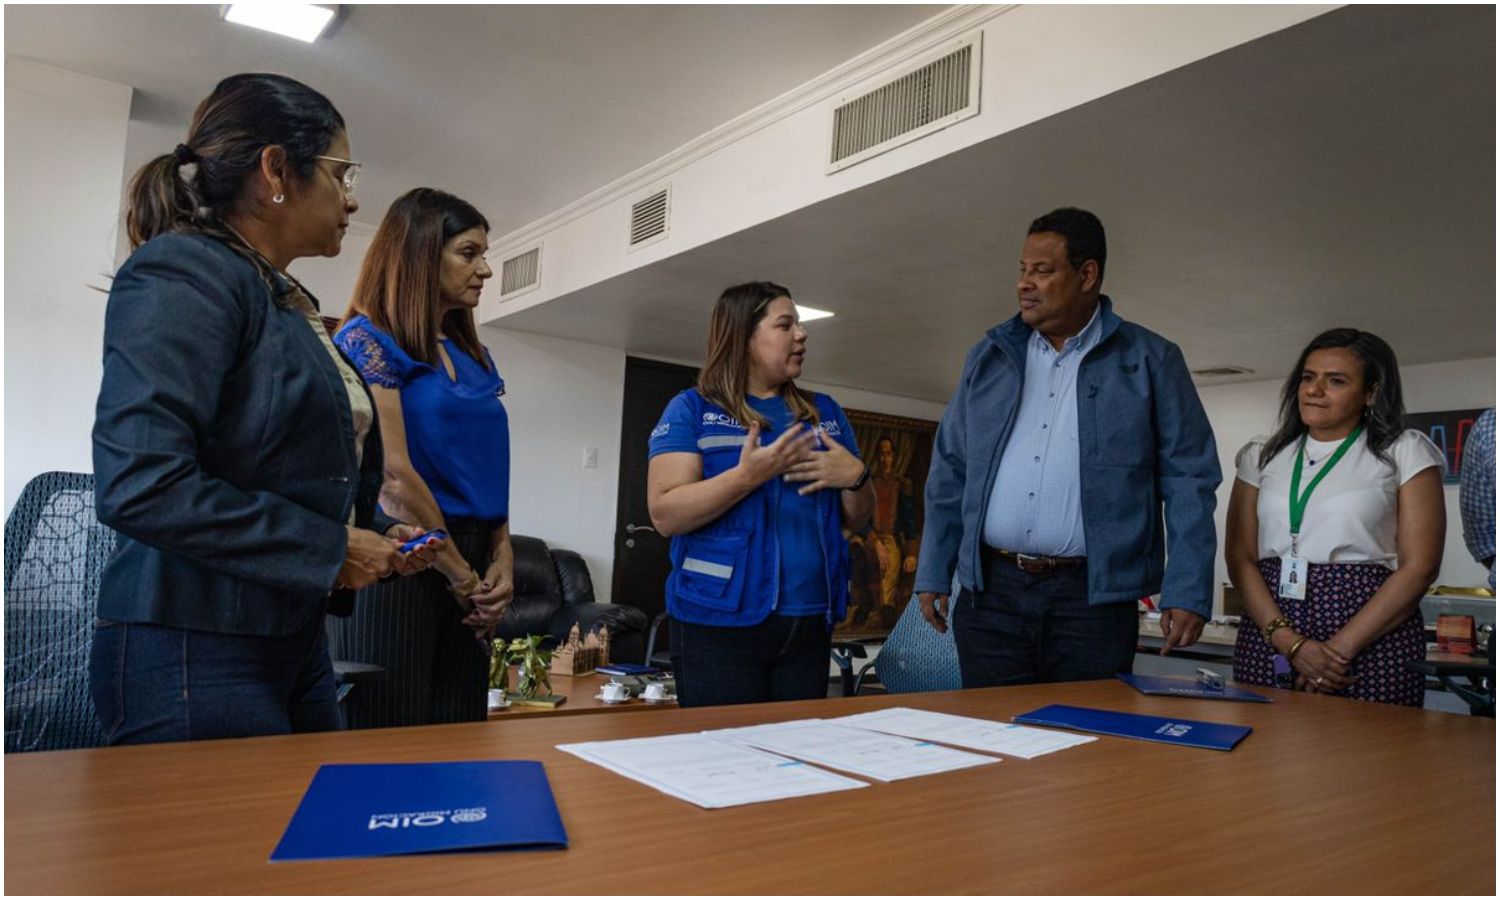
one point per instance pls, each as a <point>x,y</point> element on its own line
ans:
<point>1298,498</point>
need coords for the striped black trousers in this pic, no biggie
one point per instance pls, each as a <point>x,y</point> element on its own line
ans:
<point>436,672</point>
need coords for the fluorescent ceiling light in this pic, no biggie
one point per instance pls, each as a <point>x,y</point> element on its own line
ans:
<point>811,313</point>
<point>303,21</point>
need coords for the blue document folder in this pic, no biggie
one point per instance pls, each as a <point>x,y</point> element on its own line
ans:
<point>1183,732</point>
<point>1166,685</point>
<point>390,809</point>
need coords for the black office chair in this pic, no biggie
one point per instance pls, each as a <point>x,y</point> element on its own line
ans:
<point>55,550</point>
<point>661,659</point>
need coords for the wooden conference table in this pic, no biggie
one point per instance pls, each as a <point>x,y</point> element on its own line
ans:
<point>1326,796</point>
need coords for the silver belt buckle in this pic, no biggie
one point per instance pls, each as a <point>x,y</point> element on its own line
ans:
<point>1040,563</point>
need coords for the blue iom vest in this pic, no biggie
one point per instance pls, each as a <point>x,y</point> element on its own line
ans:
<point>727,572</point>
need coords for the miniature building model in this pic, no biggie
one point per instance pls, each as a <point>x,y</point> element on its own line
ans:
<point>582,655</point>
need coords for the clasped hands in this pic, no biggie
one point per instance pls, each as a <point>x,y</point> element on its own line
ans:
<point>484,599</point>
<point>793,457</point>
<point>1322,669</point>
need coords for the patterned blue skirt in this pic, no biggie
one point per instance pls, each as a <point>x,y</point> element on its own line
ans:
<point>1335,592</point>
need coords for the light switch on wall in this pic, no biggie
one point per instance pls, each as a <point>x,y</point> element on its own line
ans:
<point>591,457</point>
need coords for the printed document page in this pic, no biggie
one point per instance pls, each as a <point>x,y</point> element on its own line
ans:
<point>962,731</point>
<point>861,752</point>
<point>708,771</point>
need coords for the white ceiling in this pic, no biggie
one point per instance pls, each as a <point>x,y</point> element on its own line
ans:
<point>1341,172</point>
<point>519,109</point>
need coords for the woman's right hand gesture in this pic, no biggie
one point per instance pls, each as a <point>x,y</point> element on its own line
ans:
<point>368,557</point>
<point>761,464</point>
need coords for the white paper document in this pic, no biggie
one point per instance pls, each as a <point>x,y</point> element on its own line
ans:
<point>709,771</point>
<point>962,731</point>
<point>861,752</point>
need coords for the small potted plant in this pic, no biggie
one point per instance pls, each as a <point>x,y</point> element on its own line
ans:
<point>499,673</point>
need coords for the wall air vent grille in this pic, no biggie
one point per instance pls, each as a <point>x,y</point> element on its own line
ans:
<point>521,273</point>
<point>648,218</point>
<point>926,99</point>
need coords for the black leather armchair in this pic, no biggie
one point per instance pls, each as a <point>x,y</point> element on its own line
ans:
<point>554,592</point>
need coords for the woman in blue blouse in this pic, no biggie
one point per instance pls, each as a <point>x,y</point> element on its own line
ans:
<point>755,479</point>
<point>410,330</point>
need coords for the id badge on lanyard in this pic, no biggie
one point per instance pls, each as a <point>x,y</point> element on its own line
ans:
<point>1293,581</point>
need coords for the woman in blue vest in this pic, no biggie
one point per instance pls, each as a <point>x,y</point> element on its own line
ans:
<point>755,480</point>
<point>236,451</point>
<point>410,329</point>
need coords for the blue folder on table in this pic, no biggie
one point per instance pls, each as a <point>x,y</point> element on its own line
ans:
<point>1183,732</point>
<point>390,809</point>
<point>1166,685</point>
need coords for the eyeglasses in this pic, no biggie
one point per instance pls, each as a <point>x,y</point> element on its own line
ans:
<point>351,172</point>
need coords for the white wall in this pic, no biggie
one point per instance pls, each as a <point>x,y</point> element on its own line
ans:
<point>1239,412</point>
<point>64,160</point>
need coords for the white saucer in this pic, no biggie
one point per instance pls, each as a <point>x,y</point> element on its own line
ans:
<point>670,698</point>
<point>602,699</point>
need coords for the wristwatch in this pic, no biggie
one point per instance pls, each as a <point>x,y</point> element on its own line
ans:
<point>860,482</point>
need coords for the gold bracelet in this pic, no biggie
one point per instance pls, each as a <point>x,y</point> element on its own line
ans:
<point>466,587</point>
<point>1292,653</point>
<point>1271,626</point>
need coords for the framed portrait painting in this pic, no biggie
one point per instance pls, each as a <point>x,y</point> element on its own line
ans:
<point>883,559</point>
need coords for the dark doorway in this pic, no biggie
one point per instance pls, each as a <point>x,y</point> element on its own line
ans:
<point>641,560</point>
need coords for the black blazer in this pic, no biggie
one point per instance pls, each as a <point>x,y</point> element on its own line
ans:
<point>223,449</point>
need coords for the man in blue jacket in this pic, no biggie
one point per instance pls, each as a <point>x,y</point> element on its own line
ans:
<point>1071,434</point>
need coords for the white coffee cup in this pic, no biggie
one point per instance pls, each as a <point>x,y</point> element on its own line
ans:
<point>614,691</point>
<point>656,691</point>
<point>497,699</point>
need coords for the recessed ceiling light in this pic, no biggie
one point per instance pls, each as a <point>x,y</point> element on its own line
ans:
<point>809,313</point>
<point>303,21</point>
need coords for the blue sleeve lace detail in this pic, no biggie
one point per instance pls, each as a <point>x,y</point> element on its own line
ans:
<point>370,357</point>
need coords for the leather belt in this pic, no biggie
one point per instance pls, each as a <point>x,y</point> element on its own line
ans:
<point>1035,565</point>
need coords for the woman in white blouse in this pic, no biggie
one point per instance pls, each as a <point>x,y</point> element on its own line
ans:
<point>1335,529</point>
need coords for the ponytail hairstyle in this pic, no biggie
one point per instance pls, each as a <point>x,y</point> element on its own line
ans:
<point>192,188</point>
<point>399,287</point>
<point>726,371</point>
<point>1384,417</point>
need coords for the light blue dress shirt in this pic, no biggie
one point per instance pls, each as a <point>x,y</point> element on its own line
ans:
<point>1034,504</point>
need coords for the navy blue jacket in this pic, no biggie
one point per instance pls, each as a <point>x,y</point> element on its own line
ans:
<point>223,448</point>
<point>728,571</point>
<point>1145,449</point>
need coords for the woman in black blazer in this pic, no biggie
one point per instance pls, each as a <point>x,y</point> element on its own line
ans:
<point>236,451</point>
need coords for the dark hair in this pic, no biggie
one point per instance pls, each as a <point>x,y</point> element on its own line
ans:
<point>726,370</point>
<point>1081,230</point>
<point>399,285</point>
<point>191,188</point>
<point>1383,418</point>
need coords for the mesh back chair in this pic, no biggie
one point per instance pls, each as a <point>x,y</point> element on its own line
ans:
<point>915,657</point>
<point>55,550</point>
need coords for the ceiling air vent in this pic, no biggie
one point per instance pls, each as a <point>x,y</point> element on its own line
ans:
<point>648,218</point>
<point>1222,371</point>
<point>521,273</point>
<point>939,92</point>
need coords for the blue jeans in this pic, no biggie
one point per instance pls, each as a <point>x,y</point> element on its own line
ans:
<point>153,683</point>
<point>1024,629</point>
<point>782,658</point>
